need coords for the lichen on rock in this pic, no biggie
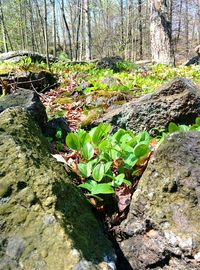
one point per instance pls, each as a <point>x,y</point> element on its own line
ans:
<point>45,223</point>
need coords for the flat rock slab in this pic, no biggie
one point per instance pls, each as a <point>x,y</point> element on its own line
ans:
<point>162,228</point>
<point>178,102</point>
<point>45,223</point>
<point>29,100</point>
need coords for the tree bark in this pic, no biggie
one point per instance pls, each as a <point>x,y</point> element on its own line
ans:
<point>160,32</point>
<point>68,30</point>
<point>140,30</point>
<point>87,30</point>
<point>46,33</point>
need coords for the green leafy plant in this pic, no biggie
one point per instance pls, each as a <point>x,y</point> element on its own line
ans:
<point>107,161</point>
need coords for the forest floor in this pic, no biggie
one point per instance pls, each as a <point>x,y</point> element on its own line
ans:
<point>85,91</point>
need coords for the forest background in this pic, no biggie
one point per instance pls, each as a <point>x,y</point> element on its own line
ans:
<point>92,29</point>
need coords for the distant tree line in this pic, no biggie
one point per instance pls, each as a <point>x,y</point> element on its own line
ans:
<point>86,29</point>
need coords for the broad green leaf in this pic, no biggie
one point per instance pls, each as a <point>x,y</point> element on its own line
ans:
<point>130,160</point>
<point>89,184</point>
<point>173,127</point>
<point>103,145</point>
<point>104,188</point>
<point>141,149</point>
<point>107,166</point>
<point>85,169</point>
<point>98,172</point>
<point>115,152</point>
<point>99,132</point>
<point>119,179</point>
<point>87,151</point>
<point>117,136</point>
<point>143,136</point>
<point>183,128</point>
<point>72,141</point>
<point>197,121</point>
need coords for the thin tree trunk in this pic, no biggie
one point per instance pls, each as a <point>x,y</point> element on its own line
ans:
<point>140,29</point>
<point>186,29</point>
<point>54,27</point>
<point>68,30</point>
<point>78,29</point>
<point>87,30</point>
<point>3,28</point>
<point>46,33</point>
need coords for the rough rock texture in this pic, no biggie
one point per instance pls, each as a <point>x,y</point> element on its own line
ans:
<point>178,101</point>
<point>45,224</point>
<point>29,100</point>
<point>162,228</point>
<point>110,62</point>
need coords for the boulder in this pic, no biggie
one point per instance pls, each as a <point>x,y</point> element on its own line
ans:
<point>16,56</point>
<point>40,81</point>
<point>55,125</point>
<point>178,101</point>
<point>110,63</point>
<point>162,228</point>
<point>45,223</point>
<point>29,100</point>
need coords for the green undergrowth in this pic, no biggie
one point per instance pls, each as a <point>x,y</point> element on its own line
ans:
<point>131,78</point>
<point>105,162</point>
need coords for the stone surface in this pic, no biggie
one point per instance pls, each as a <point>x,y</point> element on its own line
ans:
<point>45,223</point>
<point>29,100</point>
<point>162,228</point>
<point>110,62</point>
<point>178,102</point>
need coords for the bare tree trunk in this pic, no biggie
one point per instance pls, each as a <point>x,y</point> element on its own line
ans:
<point>122,24</point>
<point>160,31</point>
<point>186,29</point>
<point>87,30</point>
<point>82,31</point>
<point>78,29</point>
<point>68,30</point>
<point>140,29</point>
<point>3,28</point>
<point>54,26</point>
<point>46,33</point>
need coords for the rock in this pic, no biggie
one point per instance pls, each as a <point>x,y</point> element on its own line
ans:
<point>39,81</point>
<point>110,62</point>
<point>196,59</point>
<point>16,56</point>
<point>110,81</point>
<point>178,102</point>
<point>57,124</point>
<point>162,227</point>
<point>29,100</point>
<point>45,223</point>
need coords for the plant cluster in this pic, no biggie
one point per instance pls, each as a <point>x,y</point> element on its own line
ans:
<point>105,162</point>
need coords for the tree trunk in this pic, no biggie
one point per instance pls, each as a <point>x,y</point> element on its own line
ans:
<point>46,33</point>
<point>68,30</point>
<point>160,31</point>
<point>54,26</point>
<point>87,30</point>
<point>140,29</point>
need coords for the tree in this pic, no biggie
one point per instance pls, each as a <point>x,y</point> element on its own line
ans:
<point>161,32</point>
<point>87,30</point>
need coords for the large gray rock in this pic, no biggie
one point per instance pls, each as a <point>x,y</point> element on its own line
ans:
<point>162,229</point>
<point>178,101</point>
<point>29,100</point>
<point>45,223</point>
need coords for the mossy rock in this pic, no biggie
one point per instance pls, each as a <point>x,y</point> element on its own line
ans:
<point>162,227</point>
<point>45,222</point>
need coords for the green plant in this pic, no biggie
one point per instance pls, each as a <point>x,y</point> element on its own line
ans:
<point>107,161</point>
<point>59,139</point>
<point>25,63</point>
